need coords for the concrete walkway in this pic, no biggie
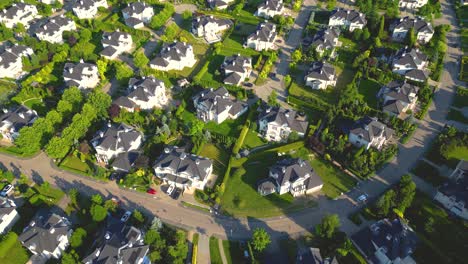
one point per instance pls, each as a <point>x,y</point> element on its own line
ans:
<point>203,255</point>
<point>221,251</point>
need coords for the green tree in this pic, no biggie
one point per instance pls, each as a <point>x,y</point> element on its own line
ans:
<point>140,60</point>
<point>272,99</point>
<point>122,72</point>
<point>329,225</point>
<point>406,193</point>
<point>110,205</point>
<point>195,127</point>
<point>102,65</point>
<point>96,199</point>
<point>187,15</point>
<point>98,213</point>
<point>138,217</point>
<point>365,34</point>
<point>296,56</point>
<point>410,38</point>
<point>385,203</point>
<point>331,4</point>
<point>260,239</point>
<point>76,239</point>
<point>382,32</point>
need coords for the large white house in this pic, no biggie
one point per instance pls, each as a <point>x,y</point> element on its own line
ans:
<point>398,97</point>
<point>270,8</point>
<point>137,14</point>
<point>50,2</point>
<point>52,31</point>
<point>422,29</point>
<point>117,145</point>
<point>175,167</point>
<point>209,27</point>
<point>11,61</point>
<point>18,13</point>
<point>411,63</point>
<point>236,69</point>
<point>87,9</point>
<point>263,38</point>
<point>144,94</point>
<point>320,75</point>
<point>218,105</point>
<point>8,214</point>
<point>47,235</point>
<point>82,75</point>
<point>276,123</point>
<point>11,122</point>
<point>349,19</point>
<point>369,132</point>
<point>412,4</point>
<point>219,4</point>
<point>115,43</point>
<point>295,176</point>
<point>174,56</point>
<point>326,39</point>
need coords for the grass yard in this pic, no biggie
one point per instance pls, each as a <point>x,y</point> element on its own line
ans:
<point>457,116</point>
<point>230,127</point>
<point>334,181</point>
<point>327,96</point>
<point>11,250</point>
<point>427,172</point>
<point>43,194</point>
<point>213,67</point>
<point>368,89</point>
<point>252,140</point>
<point>218,155</point>
<point>345,76</point>
<point>234,252</point>
<point>215,256</point>
<point>75,164</point>
<point>348,50</point>
<point>38,105</point>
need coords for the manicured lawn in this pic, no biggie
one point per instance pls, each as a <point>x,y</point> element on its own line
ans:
<point>219,156</point>
<point>234,252</point>
<point>457,116</point>
<point>213,67</point>
<point>43,194</point>
<point>230,127</point>
<point>368,89</point>
<point>12,252</point>
<point>325,96</point>
<point>215,256</point>
<point>348,50</point>
<point>252,140</point>
<point>345,76</point>
<point>427,172</point>
<point>74,163</point>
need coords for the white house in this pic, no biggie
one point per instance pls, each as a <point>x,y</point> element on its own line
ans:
<point>369,132</point>
<point>411,63</point>
<point>263,38</point>
<point>50,2</point>
<point>174,56</point>
<point>52,31</point>
<point>320,75</point>
<point>8,214</point>
<point>11,122</point>
<point>422,29</point>
<point>11,61</point>
<point>82,75</point>
<point>326,39</point>
<point>295,176</point>
<point>270,8</point>
<point>175,167</point>
<point>87,9</point>
<point>209,27</point>
<point>276,123</point>
<point>47,235</point>
<point>350,19</point>
<point>144,94</point>
<point>398,97</point>
<point>412,4</point>
<point>137,14</point>
<point>117,145</point>
<point>18,13</point>
<point>218,105</point>
<point>236,69</point>
<point>115,43</point>
<point>219,4</point>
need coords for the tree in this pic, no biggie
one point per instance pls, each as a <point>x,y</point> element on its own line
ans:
<point>382,32</point>
<point>76,239</point>
<point>331,4</point>
<point>406,193</point>
<point>102,68</point>
<point>140,60</point>
<point>429,225</point>
<point>96,199</point>
<point>411,37</point>
<point>327,228</point>
<point>195,127</point>
<point>187,15</point>
<point>110,205</point>
<point>386,202</point>
<point>138,217</point>
<point>365,34</point>
<point>260,239</point>
<point>122,72</point>
<point>357,34</point>
<point>296,56</point>
<point>98,213</point>
<point>272,98</point>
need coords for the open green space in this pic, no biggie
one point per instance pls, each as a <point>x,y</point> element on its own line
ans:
<point>74,163</point>
<point>335,181</point>
<point>215,256</point>
<point>11,250</point>
<point>213,74</point>
<point>252,140</point>
<point>345,77</point>
<point>323,96</point>
<point>230,127</point>
<point>427,172</point>
<point>218,155</point>
<point>348,51</point>
<point>43,194</point>
<point>368,89</point>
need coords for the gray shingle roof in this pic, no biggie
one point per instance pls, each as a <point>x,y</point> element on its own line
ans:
<point>218,100</point>
<point>125,161</point>
<point>19,117</point>
<point>84,4</point>
<point>321,70</point>
<point>400,90</point>
<point>53,25</point>
<point>283,116</point>
<point>369,128</point>
<point>207,19</point>
<point>273,5</point>
<point>12,54</point>
<point>457,189</point>
<point>265,32</point>
<point>325,38</point>
<point>142,89</point>
<point>6,207</point>
<point>13,10</point>
<point>349,15</point>
<point>116,136</point>
<point>135,8</point>
<point>292,170</point>
<point>410,56</point>
<point>114,38</point>
<point>237,63</point>
<point>175,51</point>
<point>75,71</point>
<point>419,24</point>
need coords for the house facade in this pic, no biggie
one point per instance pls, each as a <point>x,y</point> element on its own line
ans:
<point>53,29</point>
<point>236,69</point>
<point>423,29</point>
<point>219,4</point>
<point>270,8</point>
<point>320,75</point>
<point>276,123</point>
<point>18,13</point>
<point>326,39</point>
<point>11,61</point>
<point>11,122</point>
<point>411,4</point>
<point>398,97</point>
<point>82,75</point>
<point>137,14</point>
<point>263,38</point>
<point>115,43</point>
<point>209,27</point>
<point>174,56</point>
<point>8,214</point>
<point>218,105</point>
<point>349,19</point>
<point>87,9</point>
<point>183,170</point>
<point>411,63</point>
<point>144,93</point>
<point>369,132</point>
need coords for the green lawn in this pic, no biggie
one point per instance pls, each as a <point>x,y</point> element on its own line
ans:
<point>219,156</point>
<point>457,116</point>
<point>43,194</point>
<point>324,96</point>
<point>345,76</point>
<point>234,252</point>
<point>368,89</point>
<point>74,163</point>
<point>213,67</point>
<point>230,127</point>
<point>427,172</point>
<point>348,50</point>
<point>252,140</point>
<point>215,256</point>
<point>12,252</point>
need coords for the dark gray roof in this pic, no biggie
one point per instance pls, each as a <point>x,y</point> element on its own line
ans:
<point>204,20</point>
<point>53,25</point>
<point>123,101</point>
<point>180,162</point>
<point>12,54</point>
<point>175,51</point>
<point>395,236</point>
<point>14,10</point>
<point>19,117</point>
<point>237,63</point>
<point>43,232</point>
<point>233,78</point>
<point>325,38</point>
<point>142,89</point>
<point>266,186</point>
<point>84,4</point>
<point>218,100</point>
<point>75,71</point>
<point>217,3</point>
<point>370,127</point>
<point>419,24</point>
<point>108,51</point>
<point>309,256</point>
<point>457,189</point>
<point>321,71</point>
<point>132,21</point>
<point>283,116</point>
<point>349,15</point>
<point>400,90</point>
<point>418,75</point>
<point>292,170</point>
<point>125,161</point>
<point>135,8</point>
<point>6,207</point>
<point>265,32</point>
<point>116,136</point>
<point>273,5</point>
<point>114,38</point>
<point>410,56</point>
<point>393,106</point>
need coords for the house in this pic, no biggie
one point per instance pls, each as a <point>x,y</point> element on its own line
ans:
<point>320,75</point>
<point>82,75</point>
<point>349,19</point>
<point>398,97</point>
<point>219,4</point>
<point>218,105</point>
<point>137,14</point>
<point>47,235</point>
<point>369,132</point>
<point>11,122</point>
<point>18,13</point>
<point>174,56</point>
<point>295,176</point>
<point>387,241</point>
<point>453,195</point>
<point>8,214</point>
<point>422,29</point>
<point>263,38</point>
<point>50,2</point>
<point>87,9</point>
<point>175,167</point>
<point>117,145</point>
<point>236,69</point>
<point>144,93</point>
<point>119,243</point>
<point>277,123</point>
<point>53,29</point>
<point>312,255</point>
<point>209,27</point>
<point>270,8</point>
<point>412,4</point>
<point>11,61</point>
<point>325,39</point>
<point>115,43</point>
<point>411,63</point>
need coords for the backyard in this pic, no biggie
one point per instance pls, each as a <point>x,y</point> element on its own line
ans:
<point>219,156</point>
<point>11,250</point>
<point>368,89</point>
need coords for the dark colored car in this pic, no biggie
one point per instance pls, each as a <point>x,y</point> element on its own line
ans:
<point>248,84</point>
<point>176,193</point>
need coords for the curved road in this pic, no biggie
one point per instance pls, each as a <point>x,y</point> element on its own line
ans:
<point>41,168</point>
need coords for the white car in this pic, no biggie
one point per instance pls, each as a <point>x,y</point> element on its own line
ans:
<point>170,189</point>
<point>6,190</point>
<point>126,216</point>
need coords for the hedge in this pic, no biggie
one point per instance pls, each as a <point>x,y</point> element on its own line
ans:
<point>240,140</point>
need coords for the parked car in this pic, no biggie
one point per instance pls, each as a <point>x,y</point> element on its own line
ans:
<point>170,189</point>
<point>151,191</point>
<point>126,216</point>
<point>362,198</point>
<point>247,84</point>
<point>176,193</point>
<point>6,190</point>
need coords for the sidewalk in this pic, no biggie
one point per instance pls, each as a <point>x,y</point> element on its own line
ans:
<point>221,251</point>
<point>203,255</point>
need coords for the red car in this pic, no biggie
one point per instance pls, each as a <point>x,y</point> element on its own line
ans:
<point>151,191</point>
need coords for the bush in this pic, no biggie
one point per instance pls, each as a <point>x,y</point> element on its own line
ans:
<point>160,19</point>
<point>355,218</point>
